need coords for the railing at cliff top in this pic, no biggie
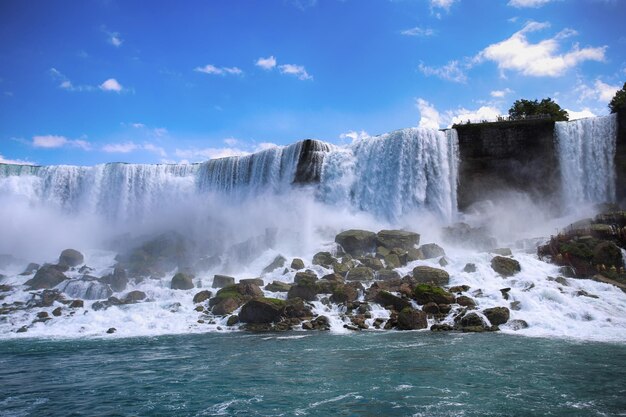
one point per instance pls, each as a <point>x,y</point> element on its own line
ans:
<point>507,119</point>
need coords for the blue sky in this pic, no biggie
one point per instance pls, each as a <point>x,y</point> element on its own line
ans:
<point>94,81</point>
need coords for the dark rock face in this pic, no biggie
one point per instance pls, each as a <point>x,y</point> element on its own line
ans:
<point>429,275</point>
<point>432,250</point>
<point>497,315</point>
<point>46,277</point>
<point>309,168</point>
<point>30,269</point>
<point>71,257</point>
<point>387,299</point>
<point>506,267</point>
<point>305,278</point>
<point>297,264</point>
<point>324,259</point>
<point>278,286</point>
<point>182,281</point>
<point>387,275</point>
<point>346,293</point>
<point>402,239</point>
<point>360,273</point>
<point>357,242</point>
<point>469,268</point>
<point>256,281</point>
<point>117,280</point>
<point>262,310</point>
<point>278,262</point>
<point>411,319</point>
<point>134,296</point>
<point>620,157</point>
<point>221,281</point>
<point>425,293</point>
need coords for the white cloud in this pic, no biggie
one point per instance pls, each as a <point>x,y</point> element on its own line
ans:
<point>212,69</point>
<point>605,91</point>
<point>66,84</point>
<point>418,31</point>
<point>430,117</point>
<point>462,115</point>
<point>156,149</point>
<point>138,125</point>
<point>354,136</point>
<point>600,91</point>
<point>296,70</point>
<point>115,39</point>
<point>441,4</point>
<point>111,85</point>
<point>451,71</point>
<point>128,147</point>
<point>196,154</point>
<point>266,63</point>
<point>231,141</point>
<point>57,141</point>
<point>573,115</point>
<point>528,3</point>
<point>4,160</point>
<point>540,59</point>
<point>501,93</point>
<point>264,145</point>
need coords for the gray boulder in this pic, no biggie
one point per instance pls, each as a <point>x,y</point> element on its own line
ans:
<point>71,257</point>
<point>397,239</point>
<point>411,319</point>
<point>357,242</point>
<point>278,262</point>
<point>429,275</point>
<point>182,281</point>
<point>221,281</point>
<point>497,315</point>
<point>262,310</point>
<point>432,250</point>
<point>506,267</point>
<point>360,273</point>
<point>46,277</point>
<point>118,280</point>
<point>297,264</point>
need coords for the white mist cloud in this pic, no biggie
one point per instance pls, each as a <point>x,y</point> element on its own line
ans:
<point>266,63</point>
<point>452,71</point>
<point>418,31</point>
<point>441,4</point>
<point>574,115</point>
<point>541,59</point>
<point>57,141</point>
<point>115,39</point>
<point>353,136</point>
<point>111,85</point>
<point>501,93</point>
<point>66,84</point>
<point>212,69</point>
<point>528,3</point>
<point>462,115</point>
<point>430,117</point>
<point>128,147</point>
<point>599,91</point>
<point>296,70</point>
<point>4,160</point>
<point>202,154</point>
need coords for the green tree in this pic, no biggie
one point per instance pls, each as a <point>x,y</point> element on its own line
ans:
<point>524,108</point>
<point>618,100</point>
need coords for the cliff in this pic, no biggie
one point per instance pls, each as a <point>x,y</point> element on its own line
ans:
<point>620,157</point>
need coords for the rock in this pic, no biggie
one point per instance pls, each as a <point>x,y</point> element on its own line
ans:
<point>164,252</point>
<point>429,275</point>
<point>497,315</point>
<point>232,320</point>
<point>22,329</point>
<point>199,309</point>
<point>342,268</point>
<point>425,293</point>
<point>256,281</point>
<point>506,267</point>
<point>608,254</point>
<point>226,306</point>
<point>262,310</point>
<point>278,262</point>
<point>359,322</point>
<point>392,261</point>
<point>583,293</point>
<point>471,320</point>
<point>134,296</point>
<point>357,242</point>
<point>221,281</point>
<point>515,305</point>
<point>324,259</point>
<point>441,328</point>
<point>501,251</point>
<point>443,261</point>
<point>77,304</point>
<point>430,308</point>
<point>111,330</point>
<point>231,297</point>
<point>567,271</point>
<point>371,262</point>
<point>459,289</point>
<point>297,264</point>
<point>432,250</point>
<point>297,309</point>
<point>57,312</point>
<point>326,286</point>
<point>71,257</point>
<point>278,286</point>
<point>469,268</point>
<point>360,273</point>
<point>321,323</point>
<point>387,275</point>
<point>402,239</point>
<point>182,281</point>
<point>118,280</point>
<point>381,252</point>
<point>305,278</point>
<point>465,301</point>
<point>46,277</point>
<point>346,293</point>
<point>307,292</point>
<point>411,319</point>
<point>30,269</point>
<point>42,315</point>
<point>202,296</point>
<point>505,293</point>
<point>518,324</point>
<point>412,254</point>
<point>386,299</point>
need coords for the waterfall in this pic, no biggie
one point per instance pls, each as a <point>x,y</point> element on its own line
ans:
<point>395,173</point>
<point>586,154</point>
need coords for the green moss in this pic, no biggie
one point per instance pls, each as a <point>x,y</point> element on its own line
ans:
<point>275,301</point>
<point>577,249</point>
<point>230,291</point>
<point>429,289</point>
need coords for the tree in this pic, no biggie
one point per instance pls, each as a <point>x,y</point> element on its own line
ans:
<point>524,108</point>
<point>618,100</point>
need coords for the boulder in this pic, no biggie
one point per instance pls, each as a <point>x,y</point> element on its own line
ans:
<point>305,278</point>
<point>307,292</point>
<point>297,309</point>
<point>497,315</point>
<point>202,296</point>
<point>232,320</point>
<point>297,264</point>
<point>77,304</point>
<point>71,257</point>
<point>469,268</point>
<point>57,312</point>
<point>465,301</point>
<point>502,251</point>
<point>46,277</point>
<point>429,275</point>
<point>432,250</point>
<point>256,281</point>
<point>426,293</point>
<point>182,281</point>
<point>518,324</point>
<point>506,267</point>
<point>371,262</point>
<point>342,268</point>
<point>387,275</point>
<point>386,299</point>
<point>346,293</point>
<point>608,254</point>
<point>392,261</point>
<point>278,286</point>
<point>411,319</point>
<point>221,281</point>
<point>118,280</point>
<point>30,269</point>
<point>402,239</point>
<point>278,262</point>
<point>134,296</point>
<point>360,273</point>
<point>357,242</point>
<point>226,306</point>
<point>262,310</point>
<point>459,288</point>
<point>471,320</point>
<point>412,254</point>
<point>324,259</point>
<point>430,308</point>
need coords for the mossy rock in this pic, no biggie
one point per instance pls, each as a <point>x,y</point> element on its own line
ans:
<point>71,257</point>
<point>385,299</point>
<point>397,239</point>
<point>426,293</point>
<point>432,250</point>
<point>411,319</point>
<point>497,315</point>
<point>429,275</point>
<point>262,310</point>
<point>360,273</point>
<point>506,267</point>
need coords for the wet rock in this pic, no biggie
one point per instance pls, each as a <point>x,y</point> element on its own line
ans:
<point>134,296</point>
<point>466,301</point>
<point>46,277</point>
<point>22,329</point>
<point>411,319</point>
<point>324,259</point>
<point>472,320</point>
<point>256,281</point>
<point>71,257</point>
<point>85,269</point>
<point>387,299</point>
<point>426,293</point>
<point>360,273</point>
<point>429,275</point>
<point>343,268</point>
<point>381,252</point>
<point>359,322</point>
<point>230,298</point>
<point>182,281</point>
<point>118,280</point>
<point>459,289</point>
<point>402,239</point>
<point>357,242</point>
<point>583,293</point>
<point>42,315</point>
<point>430,308</point>
<point>221,281</point>
<point>505,293</point>
<point>387,275</point>
<point>30,269</point>
<point>469,268</point>
<point>163,252</point>
<point>346,293</point>
<point>262,310</point>
<point>371,262</point>
<point>297,264</point>
<point>608,254</point>
<point>232,320</point>
<point>46,298</point>
<point>199,309</point>
<point>518,324</point>
<point>506,267</point>
<point>5,288</point>
<point>202,296</point>
<point>226,306</point>
<point>432,250</point>
<point>278,262</point>
<point>57,312</point>
<point>443,261</point>
<point>412,254</point>
<point>307,292</point>
<point>77,304</point>
<point>562,281</point>
<point>321,323</point>
<point>111,330</point>
<point>497,315</point>
<point>515,305</point>
<point>567,271</point>
<point>444,308</point>
<point>296,308</point>
<point>392,261</point>
<point>325,286</point>
<point>305,278</point>
<point>441,328</point>
<point>278,286</point>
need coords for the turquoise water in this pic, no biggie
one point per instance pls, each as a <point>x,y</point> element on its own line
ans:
<point>316,374</point>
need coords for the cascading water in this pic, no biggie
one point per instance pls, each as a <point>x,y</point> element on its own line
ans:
<point>586,154</point>
<point>396,173</point>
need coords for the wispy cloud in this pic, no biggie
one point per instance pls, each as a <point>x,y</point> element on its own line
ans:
<point>528,3</point>
<point>113,38</point>
<point>127,147</point>
<point>429,116</point>
<point>4,160</point>
<point>266,63</point>
<point>354,136</point>
<point>599,91</point>
<point>418,32</point>
<point>65,83</point>
<point>111,85</point>
<point>235,147</point>
<point>452,71</point>
<point>501,93</point>
<point>212,69</point>
<point>56,141</point>
<point>296,70</point>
